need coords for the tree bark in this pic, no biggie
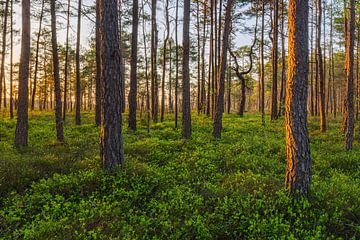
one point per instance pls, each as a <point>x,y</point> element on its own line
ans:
<point>57,88</point>
<point>349,68</point>
<point>11,60</point>
<point>186,107</point>
<point>78,80</point>
<point>154,80</point>
<point>66,70</point>
<point>298,170</point>
<point>320,71</point>
<point>111,142</point>
<point>274,91</point>
<point>220,97</point>
<point>21,132</point>
<point>98,89</point>
<point>133,71</point>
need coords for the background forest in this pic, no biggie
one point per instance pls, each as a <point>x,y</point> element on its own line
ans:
<point>199,110</point>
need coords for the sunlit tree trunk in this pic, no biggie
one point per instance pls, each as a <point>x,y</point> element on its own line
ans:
<point>298,170</point>
<point>349,68</point>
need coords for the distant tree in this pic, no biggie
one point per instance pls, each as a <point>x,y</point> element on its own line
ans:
<point>298,170</point>
<point>33,96</point>
<point>3,52</point>
<point>21,132</point>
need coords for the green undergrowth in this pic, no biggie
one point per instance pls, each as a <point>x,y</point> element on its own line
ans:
<point>172,189</point>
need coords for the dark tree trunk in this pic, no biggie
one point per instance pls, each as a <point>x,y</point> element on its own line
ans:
<point>349,68</point>
<point>57,88</point>
<point>21,132</point>
<point>154,78</point>
<point>312,107</point>
<point>298,171</point>
<point>111,143</point>
<point>98,89</point>
<point>320,71</point>
<point>177,66</point>
<point>283,61</point>
<point>78,83</point>
<point>274,91</point>
<point>223,65</point>
<point>262,65</point>
<point>133,72</point>
<point>186,107</point>
<point>66,71</point>
<point>11,60</point>
<point>146,71</point>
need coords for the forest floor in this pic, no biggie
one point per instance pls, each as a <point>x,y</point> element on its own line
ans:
<point>231,188</point>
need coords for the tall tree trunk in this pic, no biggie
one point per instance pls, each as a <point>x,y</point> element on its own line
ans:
<point>177,65</point>
<point>344,103</point>
<point>186,107</point>
<point>78,83</point>
<point>11,60</point>
<point>166,40</point>
<point>312,103</point>
<point>66,70</point>
<point>154,83</point>
<point>283,61</point>
<point>298,170</point>
<point>332,62</point>
<point>57,88</point>
<point>274,91</point>
<point>37,56</point>
<point>3,53</point>
<point>98,89</point>
<point>262,64</point>
<point>320,71</point>
<point>21,132</point>
<point>146,70</point>
<point>198,57</point>
<point>349,68</point>
<point>203,91</point>
<point>133,72</point>
<point>222,72</point>
<point>111,142</point>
